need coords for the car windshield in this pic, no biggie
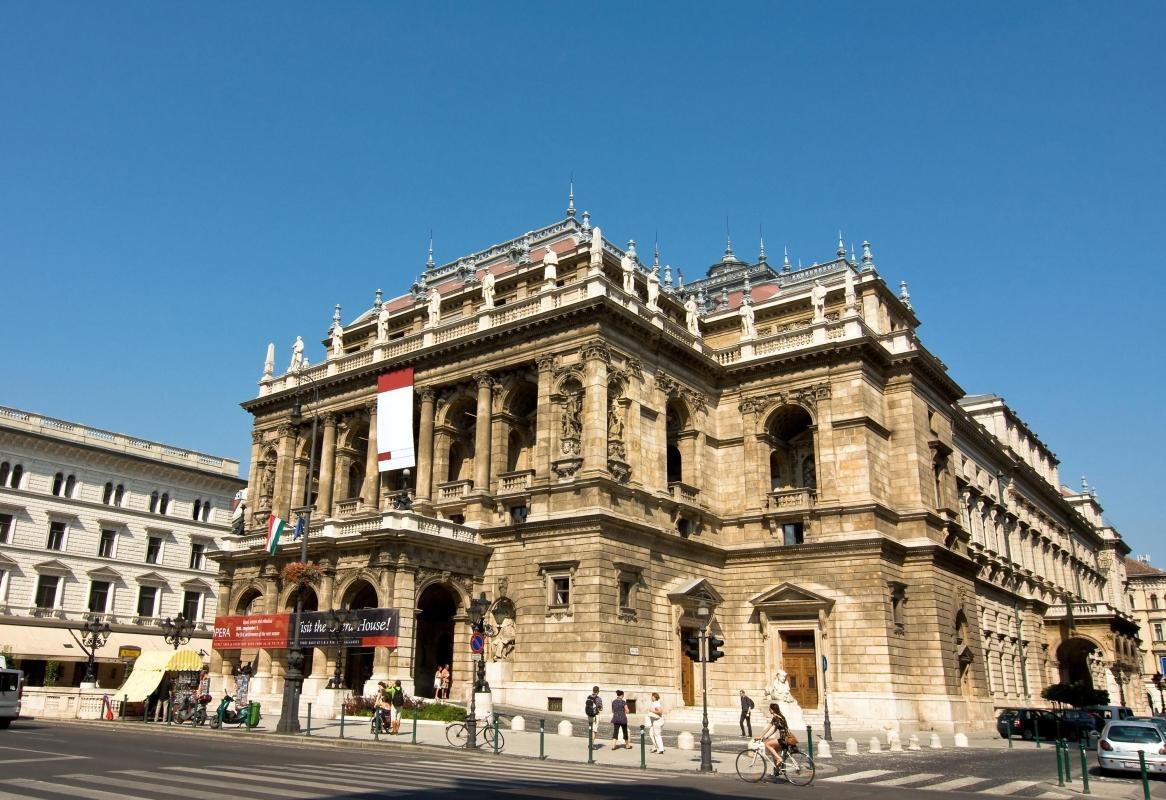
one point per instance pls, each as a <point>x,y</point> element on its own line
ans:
<point>1134,734</point>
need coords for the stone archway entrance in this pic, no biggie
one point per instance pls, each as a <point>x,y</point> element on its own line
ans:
<point>434,636</point>
<point>1073,657</point>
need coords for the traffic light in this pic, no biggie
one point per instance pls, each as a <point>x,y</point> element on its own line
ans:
<point>715,651</point>
<point>692,647</point>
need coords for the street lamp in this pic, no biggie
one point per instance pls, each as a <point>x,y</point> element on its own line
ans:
<point>401,500</point>
<point>477,614</point>
<point>177,631</point>
<point>341,619</point>
<point>94,634</point>
<point>706,742</point>
<point>293,676</point>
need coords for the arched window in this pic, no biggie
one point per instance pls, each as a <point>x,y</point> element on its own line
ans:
<point>17,474</point>
<point>70,485</point>
<point>791,437</point>
<point>675,464</point>
<point>164,505</point>
<point>675,421</point>
<point>206,511</point>
<point>107,493</point>
<point>153,502</point>
<point>58,483</point>
<point>197,510</point>
<point>5,471</point>
<point>1154,602</point>
<point>119,495</point>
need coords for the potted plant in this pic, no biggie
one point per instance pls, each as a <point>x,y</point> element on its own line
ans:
<point>302,573</point>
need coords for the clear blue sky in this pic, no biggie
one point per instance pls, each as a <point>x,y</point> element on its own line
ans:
<point>182,183</point>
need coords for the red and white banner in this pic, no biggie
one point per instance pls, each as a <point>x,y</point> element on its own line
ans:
<point>395,420</point>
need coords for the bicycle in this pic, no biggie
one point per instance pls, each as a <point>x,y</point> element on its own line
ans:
<point>456,733</point>
<point>795,766</point>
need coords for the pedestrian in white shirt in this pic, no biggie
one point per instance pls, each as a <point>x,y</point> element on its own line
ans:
<point>656,720</point>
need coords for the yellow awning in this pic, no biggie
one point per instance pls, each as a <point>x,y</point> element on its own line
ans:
<point>150,667</point>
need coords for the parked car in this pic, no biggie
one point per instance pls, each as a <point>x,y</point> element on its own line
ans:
<point>1106,713</point>
<point>11,689</point>
<point>1120,741</point>
<point>1077,723</point>
<point>1027,723</point>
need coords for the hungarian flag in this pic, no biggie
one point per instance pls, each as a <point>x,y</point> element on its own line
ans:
<point>395,420</point>
<point>275,527</point>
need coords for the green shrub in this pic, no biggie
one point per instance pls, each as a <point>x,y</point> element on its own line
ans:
<point>52,672</point>
<point>443,713</point>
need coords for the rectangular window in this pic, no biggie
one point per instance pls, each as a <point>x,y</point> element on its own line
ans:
<point>625,593</point>
<point>561,591</point>
<point>56,536</point>
<point>46,591</point>
<point>99,597</point>
<point>5,528</point>
<point>197,555</point>
<point>792,533</point>
<point>147,595</point>
<point>105,546</point>
<point>154,550</point>
<point>1158,631</point>
<point>190,605</point>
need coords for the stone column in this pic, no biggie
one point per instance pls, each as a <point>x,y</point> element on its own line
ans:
<point>370,490</point>
<point>482,432</point>
<point>404,598</point>
<point>755,462</point>
<point>299,469</point>
<point>283,471</point>
<point>253,468</point>
<point>594,443</point>
<point>544,419</point>
<point>424,490</point>
<point>327,466</point>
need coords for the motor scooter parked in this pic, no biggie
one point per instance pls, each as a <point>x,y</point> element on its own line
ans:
<point>192,710</point>
<point>225,715</point>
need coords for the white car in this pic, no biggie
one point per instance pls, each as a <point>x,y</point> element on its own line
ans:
<point>1121,740</point>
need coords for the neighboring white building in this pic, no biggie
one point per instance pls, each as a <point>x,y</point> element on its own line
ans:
<point>100,524</point>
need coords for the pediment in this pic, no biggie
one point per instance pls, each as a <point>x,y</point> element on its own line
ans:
<point>53,567</point>
<point>692,592</point>
<point>7,562</point>
<point>152,579</point>
<point>196,584</point>
<point>789,598</point>
<point>104,574</point>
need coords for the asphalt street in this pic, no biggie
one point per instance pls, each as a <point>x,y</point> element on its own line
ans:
<point>52,760</point>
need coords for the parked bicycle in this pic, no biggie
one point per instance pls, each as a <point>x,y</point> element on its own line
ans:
<point>457,734</point>
<point>795,766</point>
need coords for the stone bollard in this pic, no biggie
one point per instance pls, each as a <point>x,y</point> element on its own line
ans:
<point>935,744</point>
<point>896,744</point>
<point>961,740</point>
<point>876,745</point>
<point>913,742</point>
<point>822,750</point>
<point>851,746</point>
<point>685,741</point>
<point>518,723</point>
<point>565,728</point>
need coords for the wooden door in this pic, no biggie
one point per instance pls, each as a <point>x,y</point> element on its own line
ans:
<point>799,659</point>
<point>687,684</point>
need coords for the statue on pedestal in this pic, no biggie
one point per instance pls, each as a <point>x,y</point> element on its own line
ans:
<point>691,316</point>
<point>654,288</point>
<point>488,289</point>
<point>297,354</point>
<point>748,329</point>
<point>818,300</point>
<point>629,274</point>
<point>502,645</point>
<point>269,362</point>
<point>779,692</point>
<point>383,323</point>
<point>434,307</point>
<point>337,334</point>
<point>550,266</point>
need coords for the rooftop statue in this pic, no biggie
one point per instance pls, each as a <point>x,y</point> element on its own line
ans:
<point>383,323</point>
<point>434,307</point>
<point>337,334</point>
<point>488,289</point>
<point>748,329</point>
<point>629,274</point>
<point>818,299</point>
<point>654,288</point>
<point>297,354</point>
<point>550,266</point>
<point>691,316</point>
<point>269,362</point>
<point>597,247</point>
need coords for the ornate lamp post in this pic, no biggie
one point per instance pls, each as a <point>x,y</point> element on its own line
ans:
<point>94,634</point>
<point>293,680</point>
<point>340,618</point>
<point>477,614</point>
<point>706,742</point>
<point>177,631</point>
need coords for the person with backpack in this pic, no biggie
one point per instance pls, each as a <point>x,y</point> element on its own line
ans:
<point>746,708</point>
<point>397,700</point>
<point>592,708</point>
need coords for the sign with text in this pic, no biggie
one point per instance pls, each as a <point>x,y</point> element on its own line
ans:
<point>370,627</point>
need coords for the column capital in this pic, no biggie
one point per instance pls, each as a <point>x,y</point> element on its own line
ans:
<point>330,418</point>
<point>547,362</point>
<point>284,429</point>
<point>596,350</point>
<point>428,394</point>
<point>256,436</point>
<point>484,380</point>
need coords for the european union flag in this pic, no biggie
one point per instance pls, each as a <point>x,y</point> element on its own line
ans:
<point>299,527</point>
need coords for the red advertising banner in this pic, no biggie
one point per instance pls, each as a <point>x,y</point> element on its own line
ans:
<point>250,630</point>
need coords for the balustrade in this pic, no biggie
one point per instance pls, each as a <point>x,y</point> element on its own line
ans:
<point>792,499</point>
<point>515,481</point>
<point>454,490</point>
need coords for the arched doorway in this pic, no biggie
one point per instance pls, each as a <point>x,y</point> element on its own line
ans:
<point>434,643</point>
<point>358,661</point>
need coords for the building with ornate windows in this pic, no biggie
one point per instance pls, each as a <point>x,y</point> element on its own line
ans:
<point>1146,587</point>
<point>614,459</point>
<point>100,525</point>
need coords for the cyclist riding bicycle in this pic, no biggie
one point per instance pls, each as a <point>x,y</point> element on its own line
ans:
<point>774,734</point>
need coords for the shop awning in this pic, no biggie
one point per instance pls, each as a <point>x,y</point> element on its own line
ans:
<point>149,669</point>
<point>29,640</point>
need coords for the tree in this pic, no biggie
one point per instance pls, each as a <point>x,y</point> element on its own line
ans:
<point>1075,694</point>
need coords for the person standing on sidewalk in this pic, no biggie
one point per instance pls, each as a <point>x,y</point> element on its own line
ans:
<point>397,700</point>
<point>746,708</point>
<point>656,723</point>
<point>619,721</point>
<point>593,707</point>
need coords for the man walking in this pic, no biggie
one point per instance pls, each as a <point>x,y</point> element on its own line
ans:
<point>593,707</point>
<point>746,708</point>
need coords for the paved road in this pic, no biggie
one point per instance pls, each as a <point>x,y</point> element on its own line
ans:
<point>51,761</point>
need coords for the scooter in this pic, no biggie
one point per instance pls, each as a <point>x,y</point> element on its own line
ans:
<point>192,710</point>
<point>225,715</point>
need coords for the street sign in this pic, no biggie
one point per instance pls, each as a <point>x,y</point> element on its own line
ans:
<point>477,644</point>
<point>475,657</point>
<point>129,652</point>
<point>825,663</point>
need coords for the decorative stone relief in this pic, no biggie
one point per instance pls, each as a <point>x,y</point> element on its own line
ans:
<point>807,396</point>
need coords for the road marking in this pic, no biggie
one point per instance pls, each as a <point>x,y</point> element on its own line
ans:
<point>106,780</point>
<point>248,774</point>
<point>74,791</point>
<point>955,783</point>
<point>1055,796</point>
<point>39,760</point>
<point>1012,787</point>
<point>858,776</point>
<point>543,772</point>
<point>906,779</point>
<point>232,786</point>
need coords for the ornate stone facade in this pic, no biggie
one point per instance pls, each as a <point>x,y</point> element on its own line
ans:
<point>600,467</point>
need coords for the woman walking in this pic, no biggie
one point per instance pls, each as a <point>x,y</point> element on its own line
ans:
<point>619,721</point>
<point>656,722</point>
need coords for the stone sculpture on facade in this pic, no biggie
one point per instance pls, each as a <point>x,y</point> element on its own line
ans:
<point>383,323</point>
<point>488,289</point>
<point>434,307</point>
<point>628,267</point>
<point>572,425</point>
<point>550,267</point>
<point>851,300</point>
<point>818,300</point>
<point>269,362</point>
<point>596,251</point>
<point>502,645</point>
<point>779,692</point>
<point>691,318</point>
<point>337,334</point>
<point>748,329</point>
<point>297,354</point>
<point>654,288</point>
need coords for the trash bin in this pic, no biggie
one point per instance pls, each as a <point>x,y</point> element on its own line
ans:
<point>252,714</point>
